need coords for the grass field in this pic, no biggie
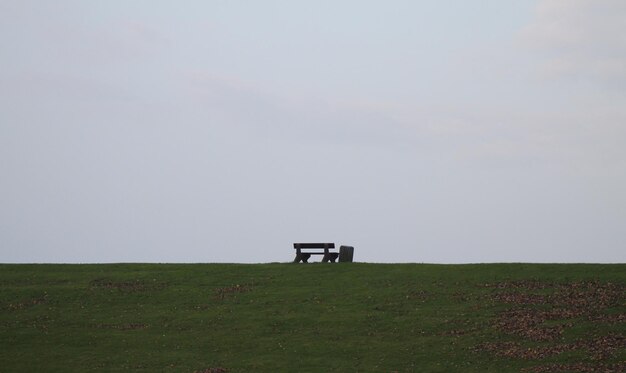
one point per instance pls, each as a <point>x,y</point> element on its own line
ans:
<point>345,317</point>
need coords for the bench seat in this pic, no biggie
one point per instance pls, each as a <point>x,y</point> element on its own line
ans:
<point>304,256</point>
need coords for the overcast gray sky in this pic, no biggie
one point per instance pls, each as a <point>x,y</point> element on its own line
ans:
<point>445,131</point>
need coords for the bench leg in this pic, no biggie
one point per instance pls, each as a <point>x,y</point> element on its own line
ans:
<point>302,257</point>
<point>299,256</point>
<point>330,257</point>
<point>326,254</point>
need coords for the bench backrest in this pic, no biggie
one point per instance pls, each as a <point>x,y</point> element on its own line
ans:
<point>314,245</point>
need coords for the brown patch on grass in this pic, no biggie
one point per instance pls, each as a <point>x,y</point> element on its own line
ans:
<point>122,326</point>
<point>522,284</point>
<point>519,298</point>
<point>223,292</point>
<point>602,347</point>
<point>531,312</point>
<point>125,286</point>
<point>27,303</point>
<point>579,367</point>
<point>515,350</point>
<point>610,318</point>
<point>566,302</point>
<point>599,348</point>
<point>528,323</point>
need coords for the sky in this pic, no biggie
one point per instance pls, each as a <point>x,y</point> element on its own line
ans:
<point>439,131</point>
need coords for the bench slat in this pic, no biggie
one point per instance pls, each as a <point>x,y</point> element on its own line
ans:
<point>308,245</point>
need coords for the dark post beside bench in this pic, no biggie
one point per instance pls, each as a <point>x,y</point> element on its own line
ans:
<point>304,256</point>
<point>346,253</point>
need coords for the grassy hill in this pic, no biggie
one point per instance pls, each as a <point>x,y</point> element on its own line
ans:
<point>346,317</point>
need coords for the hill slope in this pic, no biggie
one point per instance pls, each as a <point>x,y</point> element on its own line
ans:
<point>345,317</point>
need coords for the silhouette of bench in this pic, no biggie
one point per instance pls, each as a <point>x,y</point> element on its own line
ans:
<point>313,249</point>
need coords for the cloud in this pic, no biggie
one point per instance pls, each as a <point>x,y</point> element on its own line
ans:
<point>581,39</point>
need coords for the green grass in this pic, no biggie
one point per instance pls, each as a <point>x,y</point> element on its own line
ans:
<point>346,317</point>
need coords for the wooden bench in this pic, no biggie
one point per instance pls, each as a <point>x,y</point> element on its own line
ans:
<point>304,256</point>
